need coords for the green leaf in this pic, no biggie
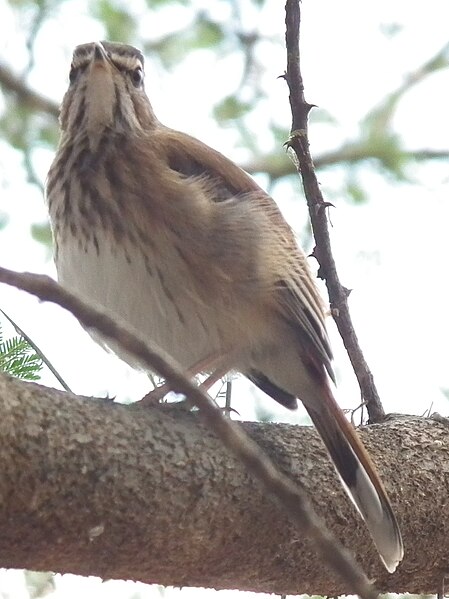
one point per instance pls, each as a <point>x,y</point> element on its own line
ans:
<point>14,126</point>
<point>170,49</point>
<point>49,134</point>
<point>356,192</point>
<point>159,3</point>
<point>231,108</point>
<point>207,33</point>
<point>18,358</point>
<point>119,23</point>
<point>174,47</point>
<point>41,232</point>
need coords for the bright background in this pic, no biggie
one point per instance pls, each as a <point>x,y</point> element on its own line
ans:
<point>389,227</point>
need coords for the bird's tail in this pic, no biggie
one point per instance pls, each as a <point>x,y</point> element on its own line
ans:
<point>360,478</point>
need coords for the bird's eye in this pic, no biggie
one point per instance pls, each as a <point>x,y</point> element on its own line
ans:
<point>137,76</point>
<point>73,73</point>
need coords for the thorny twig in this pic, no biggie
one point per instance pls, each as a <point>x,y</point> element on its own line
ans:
<point>299,143</point>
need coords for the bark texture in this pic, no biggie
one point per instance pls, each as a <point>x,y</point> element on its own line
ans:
<point>96,488</point>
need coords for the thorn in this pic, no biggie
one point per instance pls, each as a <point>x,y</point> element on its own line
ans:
<point>109,397</point>
<point>309,106</point>
<point>313,253</point>
<point>227,411</point>
<point>321,274</point>
<point>323,206</point>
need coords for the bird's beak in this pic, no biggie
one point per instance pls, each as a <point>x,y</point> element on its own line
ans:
<point>100,93</point>
<point>100,56</point>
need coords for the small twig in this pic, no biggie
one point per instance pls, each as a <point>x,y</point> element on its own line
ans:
<point>12,83</point>
<point>442,586</point>
<point>355,152</point>
<point>36,24</point>
<point>291,497</point>
<point>39,352</point>
<point>380,117</point>
<point>228,398</point>
<point>299,142</point>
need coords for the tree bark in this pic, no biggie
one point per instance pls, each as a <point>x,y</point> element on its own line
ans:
<point>96,488</point>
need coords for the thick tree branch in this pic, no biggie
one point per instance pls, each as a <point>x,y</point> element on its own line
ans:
<point>96,488</point>
<point>278,486</point>
<point>299,142</point>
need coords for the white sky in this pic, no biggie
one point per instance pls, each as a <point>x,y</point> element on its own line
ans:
<point>392,251</point>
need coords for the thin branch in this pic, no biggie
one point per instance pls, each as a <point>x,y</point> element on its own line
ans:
<point>12,83</point>
<point>292,498</point>
<point>42,9</point>
<point>299,142</point>
<point>39,352</point>
<point>378,120</point>
<point>277,166</point>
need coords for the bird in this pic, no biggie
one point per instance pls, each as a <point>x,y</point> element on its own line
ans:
<point>178,242</point>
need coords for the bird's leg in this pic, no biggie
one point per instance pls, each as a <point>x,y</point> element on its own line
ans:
<point>217,365</point>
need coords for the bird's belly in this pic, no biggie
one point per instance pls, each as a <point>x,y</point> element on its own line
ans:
<point>156,302</point>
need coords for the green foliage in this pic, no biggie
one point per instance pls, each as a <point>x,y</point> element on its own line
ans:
<point>13,125</point>
<point>26,131</point>
<point>160,3</point>
<point>355,190</point>
<point>207,33</point>
<point>41,232</point>
<point>48,133</point>
<point>119,22</point>
<point>202,33</point>
<point>19,359</point>
<point>231,108</point>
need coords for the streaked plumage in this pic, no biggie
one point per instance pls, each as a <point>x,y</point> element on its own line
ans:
<point>180,243</point>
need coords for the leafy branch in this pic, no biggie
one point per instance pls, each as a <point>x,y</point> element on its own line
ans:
<point>33,348</point>
<point>18,358</point>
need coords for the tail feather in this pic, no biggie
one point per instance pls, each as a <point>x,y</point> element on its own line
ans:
<point>360,479</point>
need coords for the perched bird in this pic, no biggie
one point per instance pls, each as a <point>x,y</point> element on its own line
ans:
<point>181,244</point>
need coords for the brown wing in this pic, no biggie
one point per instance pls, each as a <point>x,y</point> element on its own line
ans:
<point>192,158</point>
<point>301,305</point>
<point>296,297</point>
